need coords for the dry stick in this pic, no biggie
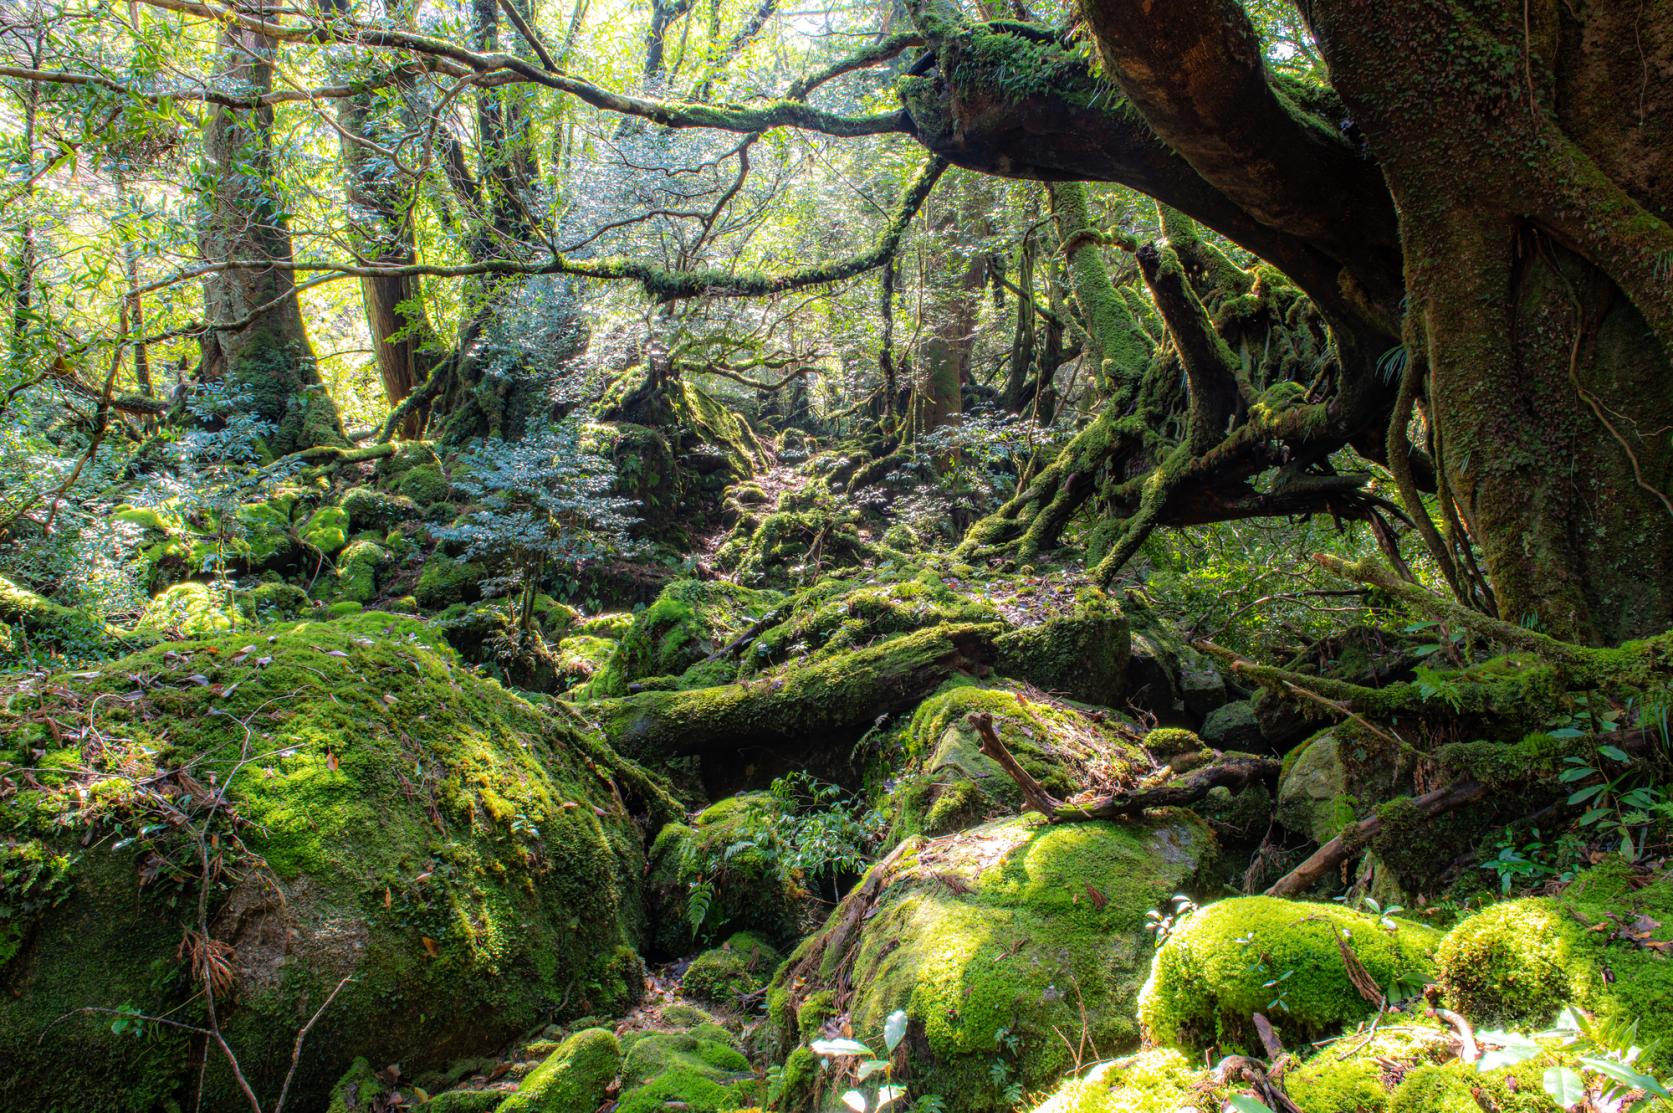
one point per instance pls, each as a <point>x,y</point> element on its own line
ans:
<point>296,1051</point>
<point>1471,1051</point>
<point>1032,791</point>
<point>1337,850</point>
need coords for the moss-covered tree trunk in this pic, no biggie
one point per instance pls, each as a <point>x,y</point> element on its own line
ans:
<point>1530,151</point>
<point>255,341</point>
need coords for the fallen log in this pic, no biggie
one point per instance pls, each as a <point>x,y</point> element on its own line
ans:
<point>840,696</point>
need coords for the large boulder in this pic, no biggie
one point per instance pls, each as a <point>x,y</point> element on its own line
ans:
<point>1288,960</point>
<point>995,942</point>
<point>1313,797</point>
<point>368,814</point>
<point>946,783</point>
<point>1599,946</point>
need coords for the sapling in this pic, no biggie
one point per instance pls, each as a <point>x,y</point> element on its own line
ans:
<point>540,502</point>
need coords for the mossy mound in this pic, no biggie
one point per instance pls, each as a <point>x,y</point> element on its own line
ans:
<point>463,855</point>
<point>577,1076</point>
<point>722,871</point>
<point>1082,654</point>
<point>950,784</point>
<point>1281,958</point>
<point>810,534</point>
<point>1157,1081</point>
<point>725,974</point>
<point>1517,964</point>
<point>699,1070</point>
<point>994,941</point>
<point>689,620</point>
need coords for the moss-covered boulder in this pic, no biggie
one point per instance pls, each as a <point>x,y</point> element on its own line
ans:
<point>445,580</point>
<point>1082,654</point>
<point>1156,1081</point>
<point>1283,959</point>
<point>38,627</point>
<point>1599,946</point>
<point>948,784</point>
<point>1313,797</point>
<point>689,620</point>
<point>462,858</point>
<point>189,610</point>
<point>371,509</point>
<point>724,975</point>
<point>575,1077</point>
<point>358,565</point>
<point>699,1070</point>
<point>994,941</point>
<point>723,870</point>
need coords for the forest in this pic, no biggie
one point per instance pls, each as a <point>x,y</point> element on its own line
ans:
<point>928,556</point>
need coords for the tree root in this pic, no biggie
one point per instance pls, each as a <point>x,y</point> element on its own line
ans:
<point>1227,770</point>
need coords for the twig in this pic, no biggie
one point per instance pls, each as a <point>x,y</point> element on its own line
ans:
<point>296,1051</point>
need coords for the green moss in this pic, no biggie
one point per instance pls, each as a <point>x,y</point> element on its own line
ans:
<point>728,852</point>
<point>189,610</point>
<point>267,603</point>
<point>797,1081</point>
<point>736,968</point>
<point>371,509</point>
<point>689,620</point>
<point>356,578</point>
<point>41,625</point>
<point>445,580</point>
<point>424,485</point>
<point>948,783</point>
<point>700,1069</point>
<point>327,529</point>
<point>1516,964</point>
<point>358,1091</point>
<point>1157,1081</point>
<point>996,939</point>
<point>465,1101</point>
<point>577,1076</point>
<point>1213,973</point>
<point>460,852</point>
<point>1328,1084</point>
<point>1431,1088</point>
<point>1082,655</point>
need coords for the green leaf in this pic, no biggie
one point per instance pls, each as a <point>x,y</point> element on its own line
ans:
<point>841,1047</point>
<point>1509,1048</point>
<point>894,1029</point>
<point>888,1095</point>
<point>871,1067</point>
<point>1243,1103</point>
<point>855,1100</point>
<point>1614,752</point>
<point>1566,1087</point>
<point>1585,794</point>
<point>1625,1075</point>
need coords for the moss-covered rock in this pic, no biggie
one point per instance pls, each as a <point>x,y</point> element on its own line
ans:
<point>1281,958</point>
<point>1157,1081</point>
<point>1516,964</point>
<point>723,870</point>
<point>948,784</point>
<point>700,1070</point>
<point>1232,726</point>
<point>356,579</point>
<point>1313,797</point>
<point>423,485</point>
<point>326,529</point>
<point>371,509</point>
<point>724,974</point>
<point>463,855</point>
<point>189,610</point>
<point>689,620</point>
<point>445,580</point>
<point>995,940</point>
<point>576,1077</point>
<point>1082,655</point>
<point>41,626</point>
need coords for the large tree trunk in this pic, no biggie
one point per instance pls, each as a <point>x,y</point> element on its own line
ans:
<point>255,341</point>
<point>1530,151</point>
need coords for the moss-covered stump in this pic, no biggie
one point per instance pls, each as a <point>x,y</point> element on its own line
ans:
<point>1598,945</point>
<point>722,871</point>
<point>1284,959</point>
<point>996,942</point>
<point>949,784</point>
<point>689,621</point>
<point>370,811</point>
<point>725,975</point>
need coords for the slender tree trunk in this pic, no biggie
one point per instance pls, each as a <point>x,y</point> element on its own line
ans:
<point>1530,152</point>
<point>255,341</point>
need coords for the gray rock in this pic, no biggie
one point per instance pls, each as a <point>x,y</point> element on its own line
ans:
<point>1312,794</point>
<point>1232,726</point>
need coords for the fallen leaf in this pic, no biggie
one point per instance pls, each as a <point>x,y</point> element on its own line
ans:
<point>430,947</point>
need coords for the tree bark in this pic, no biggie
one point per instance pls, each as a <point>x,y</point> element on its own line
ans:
<point>1529,156</point>
<point>255,341</point>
